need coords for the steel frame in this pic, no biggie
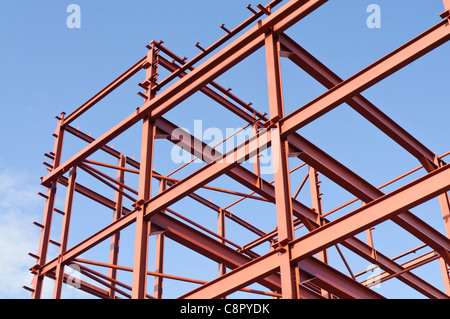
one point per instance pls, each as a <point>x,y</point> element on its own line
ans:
<point>289,270</point>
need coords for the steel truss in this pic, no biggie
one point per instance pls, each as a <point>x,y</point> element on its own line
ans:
<point>295,267</point>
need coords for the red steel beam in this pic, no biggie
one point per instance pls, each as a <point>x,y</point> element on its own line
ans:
<point>59,272</point>
<point>204,244</point>
<point>118,212</point>
<point>267,190</point>
<point>325,276</point>
<point>231,33</point>
<point>406,54</point>
<point>48,211</point>
<point>84,286</point>
<point>316,199</point>
<point>90,242</point>
<point>94,196</point>
<point>352,243</point>
<point>379,210</point>
<point>329,79</point>
<point>364,190</point>
<point>211,168</point>
<point>351,224</point>
<point>145,186</point>
<point>290,13</point>
<point>280,152</point>
<point>335,282</point>
<point>366,108</point>
<point>159,254</point>
<point>410,265</point>
<point>206,174</point>
<point>104,92</point>
<point>447,5</point>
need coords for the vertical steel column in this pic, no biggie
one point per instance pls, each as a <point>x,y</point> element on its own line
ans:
<point>48,211</point>
<point>159,255</point>
<point>280,150</point>
<point>444,202</point>
<point>221,232</point>
<point>445,275</point>
<point>370,242</point>
<point>59,273</point>
<point>115,239</point>
<point>145,185</point>
<point>316,199</point>
<point>256,163</point>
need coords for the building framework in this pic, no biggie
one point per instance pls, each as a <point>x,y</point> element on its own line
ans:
<point>294,266</point>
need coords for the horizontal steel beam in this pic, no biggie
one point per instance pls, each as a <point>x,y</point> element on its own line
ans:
<point>206,246</point>
<point>373,213</point>
<point>410,265</point>
<point>267,190</point>
<point>335,282</point>
<point>357,186</point>
<point>324,276</point>
<point>366,78</point>
<point>93,240</point>
<point>95,196</point>
<point>364,189</point>
<point>351,224</point>
<point>104,92</point>
<point>360,104</point>
<point>337,172</point>
<point>208,173</point>
<point>232,54</point>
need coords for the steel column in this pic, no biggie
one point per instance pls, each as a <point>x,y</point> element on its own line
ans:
<point>232,54</point>
<point>287,269</point>
<point>145,187</point>
<point>59,273</point>
<point>280,149</point>
<point>221,233</point>
<point>381,69</point>
<point>267,190</point>
<point>360,104</point>
<point>316,199</point>
<point>375,212</point>
<point>159,253</point>
<point>444,202</point>
<point>48,211</point>
<point>115,239</point>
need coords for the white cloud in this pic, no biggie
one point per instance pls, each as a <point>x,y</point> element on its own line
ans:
<point>19,204</point>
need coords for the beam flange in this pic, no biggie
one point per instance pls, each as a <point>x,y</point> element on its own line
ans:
<point>369,215</point>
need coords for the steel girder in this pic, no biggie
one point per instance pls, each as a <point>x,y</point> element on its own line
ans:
<point>283,268</point>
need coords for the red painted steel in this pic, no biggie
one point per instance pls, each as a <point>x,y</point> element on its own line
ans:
<point>288,269</point>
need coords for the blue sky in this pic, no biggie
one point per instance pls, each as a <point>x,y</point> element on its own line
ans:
<point>48,68</point>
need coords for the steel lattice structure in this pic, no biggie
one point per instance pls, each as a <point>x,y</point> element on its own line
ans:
<point>294,266</point>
